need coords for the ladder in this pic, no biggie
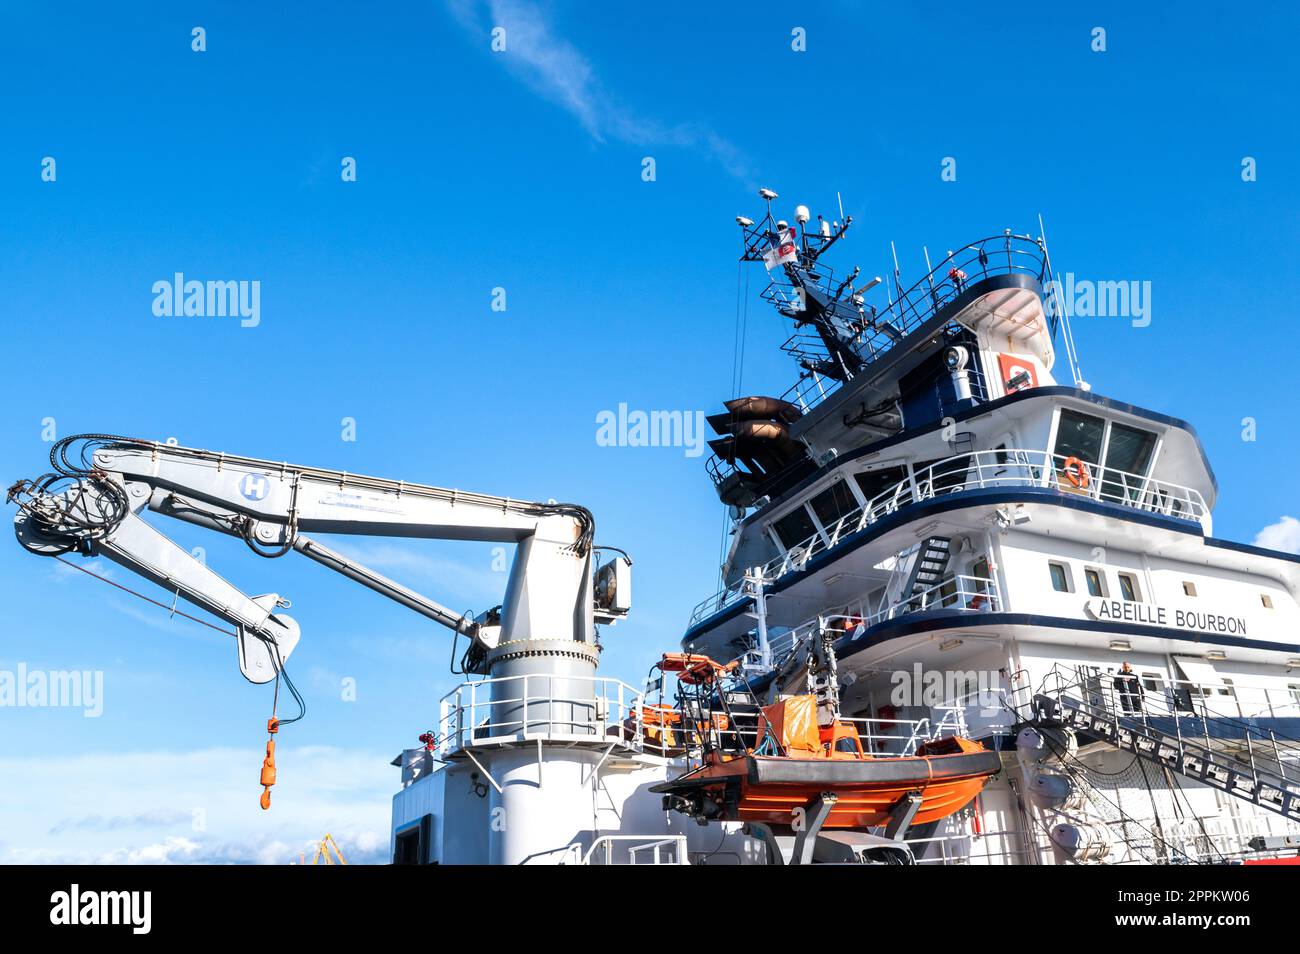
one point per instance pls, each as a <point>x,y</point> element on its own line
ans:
<point>1235,756</point>
<point>928,568</point>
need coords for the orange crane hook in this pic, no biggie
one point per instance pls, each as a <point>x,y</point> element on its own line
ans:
<point>268,764</point>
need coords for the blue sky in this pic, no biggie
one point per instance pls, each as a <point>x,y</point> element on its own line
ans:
<point>522,170</point>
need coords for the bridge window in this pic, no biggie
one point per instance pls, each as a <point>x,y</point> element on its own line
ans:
<point>876,482</point>
<point>834,502</point>
<point>1128,587</point>
<point>1128,452</point>
<point>1060,577</point>
<point>1080,435</point>
<point>795,527</point>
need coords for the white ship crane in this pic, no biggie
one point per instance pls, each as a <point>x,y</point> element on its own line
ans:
<point>95,507</point>
<point>93,503</point>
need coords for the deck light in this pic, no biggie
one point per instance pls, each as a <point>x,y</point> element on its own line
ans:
<point>1216,655</point>
<point>1121,645</point>
<point>950,644</point>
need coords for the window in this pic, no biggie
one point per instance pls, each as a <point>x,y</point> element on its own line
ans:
<point>1189,588</point>
<point>794,528</point>
<point>1060,577</point>
<point>833,503</point>
<point>1095,587</point>
<point>876,482</point>
<point>1266,600</point>
<point>1152,682</point>
<point>1079,435</point>
<point>1128,587</point>
<point>1294,688</point>
<point>1128,452</point>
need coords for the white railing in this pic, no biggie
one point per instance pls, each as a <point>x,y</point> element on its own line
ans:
<point>542,706</point>
<point>977,470</point>
<point>996,255</point>
<point>960,592</point>
<point>1179,698</point>
<point>659,850</point>
<point>1215,716</point>
<point>879,737</point>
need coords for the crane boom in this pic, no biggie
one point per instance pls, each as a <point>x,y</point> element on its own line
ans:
<point>93,505</point>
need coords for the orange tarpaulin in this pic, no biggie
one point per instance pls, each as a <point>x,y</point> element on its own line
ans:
<point>793,722</point>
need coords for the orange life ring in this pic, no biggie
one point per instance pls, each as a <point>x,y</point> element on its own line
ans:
<point>1076,472</point>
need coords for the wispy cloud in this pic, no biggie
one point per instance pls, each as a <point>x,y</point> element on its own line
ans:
<point>445,579</point>
<point>200,806</point>
<point>1283,535</point>
<point>156,818</point>
<point>558,71</point>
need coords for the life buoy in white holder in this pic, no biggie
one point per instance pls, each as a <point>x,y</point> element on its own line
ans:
<point>1018,373</point>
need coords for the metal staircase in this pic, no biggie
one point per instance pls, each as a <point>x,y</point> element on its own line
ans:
<point>1244,757</point>
<point>928,566</point>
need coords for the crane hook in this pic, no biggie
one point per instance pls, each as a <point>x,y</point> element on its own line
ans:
<point>268,764</point>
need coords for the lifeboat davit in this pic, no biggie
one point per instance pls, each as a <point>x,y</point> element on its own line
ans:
<point>796,761</point>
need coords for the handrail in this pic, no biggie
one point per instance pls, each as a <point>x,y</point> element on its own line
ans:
<point>978,470</point>
<point>959,592</point>
<point>1018,254</point>
<point>1267,750</point>
<point>477,712</point>
<point>637,844</point>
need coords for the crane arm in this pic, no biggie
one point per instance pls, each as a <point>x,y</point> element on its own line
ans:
<point>93,505</point>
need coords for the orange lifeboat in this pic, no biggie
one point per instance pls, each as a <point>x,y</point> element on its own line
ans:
<point>795,762</point>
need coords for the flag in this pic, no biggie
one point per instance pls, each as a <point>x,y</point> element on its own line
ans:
<point>782,251</point>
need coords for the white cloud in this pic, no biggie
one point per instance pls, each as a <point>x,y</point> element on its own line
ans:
<point>1283,535</point>
<point>556,70</point>
<point>195,807</point>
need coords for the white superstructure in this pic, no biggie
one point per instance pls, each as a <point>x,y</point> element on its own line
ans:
<point>989,546</point>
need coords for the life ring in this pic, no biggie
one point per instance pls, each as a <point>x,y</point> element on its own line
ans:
<point>1076,472</point>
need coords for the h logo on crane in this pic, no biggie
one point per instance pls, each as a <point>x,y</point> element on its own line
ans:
<point>254,486</point>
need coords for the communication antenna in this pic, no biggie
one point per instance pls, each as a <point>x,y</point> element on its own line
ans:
<point>1071,351</point>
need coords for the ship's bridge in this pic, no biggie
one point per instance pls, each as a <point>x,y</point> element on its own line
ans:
<point>868,372</point>
<point>1089,468</point>
<point>989,293</point>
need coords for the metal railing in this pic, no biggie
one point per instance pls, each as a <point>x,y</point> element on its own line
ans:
<point>1003,254</point>
<point>975,471</point>
<point>518,708</point>
<point>670,850</point>
<point>959,592</point>
<point>1201,718</point>
<point>879,737</point>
